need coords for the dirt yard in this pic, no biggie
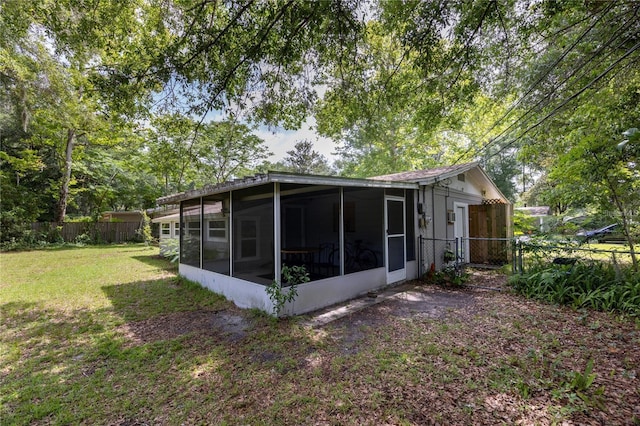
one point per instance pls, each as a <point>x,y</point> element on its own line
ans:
<point>434,355</point>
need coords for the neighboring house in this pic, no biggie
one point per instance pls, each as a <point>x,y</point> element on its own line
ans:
<point>352,235</point>
<point>121,216</point>
<point>169,231</point>
<point>539,214</point>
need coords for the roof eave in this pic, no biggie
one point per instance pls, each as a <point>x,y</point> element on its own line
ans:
<point>282,177</point>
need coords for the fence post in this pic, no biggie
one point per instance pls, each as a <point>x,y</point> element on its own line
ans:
<point>514,256</point>
<point>520,257</point>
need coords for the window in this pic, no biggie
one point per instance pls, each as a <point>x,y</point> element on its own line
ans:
<point>193,229</point>
<point>190,241</point>
<point>248,238</point>
<point>176,229</point>
<point>165,229</point>
<point>217,230</point>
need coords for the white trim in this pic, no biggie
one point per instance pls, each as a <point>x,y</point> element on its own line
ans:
<point>464,221</point>
<point>399,274</point>
<point>225,229</point>
<point>165,226</point>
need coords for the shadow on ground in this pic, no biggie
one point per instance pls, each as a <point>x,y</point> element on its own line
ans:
<point>168,308</point>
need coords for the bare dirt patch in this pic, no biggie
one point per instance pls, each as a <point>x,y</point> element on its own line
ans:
<point>229,323</point>
<point>498,357</point>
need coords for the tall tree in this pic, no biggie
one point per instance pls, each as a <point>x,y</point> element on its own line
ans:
<point>55,56</point>
<point>303,159</point>
<point>227,149</point>
<point>185,153</point>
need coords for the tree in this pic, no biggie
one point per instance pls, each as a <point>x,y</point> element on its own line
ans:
<point>608,175</point>
<point>227,149</point>
<point>303,159</point>
<point>56,56</point>
<point>185,153</point>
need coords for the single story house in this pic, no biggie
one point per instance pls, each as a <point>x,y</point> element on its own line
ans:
<point>351,235</point>
<point>169,230</point>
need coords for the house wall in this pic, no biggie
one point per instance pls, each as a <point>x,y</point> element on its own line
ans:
<point>439,234</point>
<point>247,292</point>
<point>318,294</point>
<point>168,242</point>
<point>244,294</point>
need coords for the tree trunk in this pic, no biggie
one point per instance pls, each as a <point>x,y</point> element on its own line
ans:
<point>625,223</point>
<point>61,210</point>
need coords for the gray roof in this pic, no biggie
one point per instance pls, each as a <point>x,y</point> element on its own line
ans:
<point>427,175</point>
<point>283,177</point>
<point>404,180</point>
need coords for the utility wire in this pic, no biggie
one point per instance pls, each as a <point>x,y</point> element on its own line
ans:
<point>540,79</point>
<point>549,94</point>
<point>498,137</point>
<point>566,101</point>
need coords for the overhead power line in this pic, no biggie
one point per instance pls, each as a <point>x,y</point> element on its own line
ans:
<point>569,99</point>
<point>616,35</point>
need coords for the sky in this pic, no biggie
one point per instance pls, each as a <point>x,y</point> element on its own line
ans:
<point>280,141</point>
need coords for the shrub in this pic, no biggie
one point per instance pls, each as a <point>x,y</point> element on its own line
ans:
<point>292,276</point>
<point>596,285</point>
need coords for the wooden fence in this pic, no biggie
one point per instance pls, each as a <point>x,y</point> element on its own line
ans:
<point>102,232</point>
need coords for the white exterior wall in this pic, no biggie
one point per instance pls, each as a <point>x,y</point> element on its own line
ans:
<point>244,294</point>
<point>167,241</point>
<point>437,201</point>
<point>318,294</point>
<point>311,296</point>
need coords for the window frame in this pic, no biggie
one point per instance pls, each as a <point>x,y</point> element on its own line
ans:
<point>225,238</point>
<point>242,239</point>
<point>165,229</point>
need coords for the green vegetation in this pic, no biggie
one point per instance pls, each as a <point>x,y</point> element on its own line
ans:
<point>595,285</point>
<point>291,277</point>
<point>110,335</point>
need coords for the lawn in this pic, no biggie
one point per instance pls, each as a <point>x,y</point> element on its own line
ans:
<point>110,335</point>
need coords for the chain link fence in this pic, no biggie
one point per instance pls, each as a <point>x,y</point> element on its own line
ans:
<point>534,253</point>
<point>520,255</point>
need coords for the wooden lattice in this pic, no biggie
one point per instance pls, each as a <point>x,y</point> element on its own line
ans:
<point>493,201</point>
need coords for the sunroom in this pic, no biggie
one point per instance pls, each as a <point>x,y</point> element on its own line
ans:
<point>351,236</point>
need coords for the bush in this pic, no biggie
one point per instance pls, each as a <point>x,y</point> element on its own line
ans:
<point>595,285</point>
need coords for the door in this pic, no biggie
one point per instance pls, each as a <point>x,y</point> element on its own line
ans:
<point>396,256</point>
<point>461,230</point>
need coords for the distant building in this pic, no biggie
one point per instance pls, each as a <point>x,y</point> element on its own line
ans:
<point>121,216</point>
<point>540,213</point>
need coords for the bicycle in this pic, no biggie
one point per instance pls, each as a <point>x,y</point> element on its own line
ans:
<point>359,258</point>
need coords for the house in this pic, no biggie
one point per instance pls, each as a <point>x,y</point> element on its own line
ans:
<point>121,216</point>
<point>351,235</point>
<point>169,230</point>
<point>538,215</point>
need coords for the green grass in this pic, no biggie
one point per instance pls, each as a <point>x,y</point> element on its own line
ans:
<point>106,335</point>
<point>66,277</point>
